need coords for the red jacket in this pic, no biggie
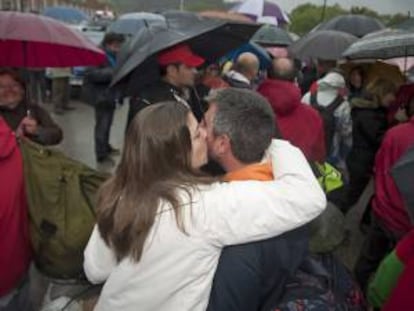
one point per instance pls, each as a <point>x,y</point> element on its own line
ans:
<point>299,123</point>
<point>401,297</point>
<point>388,204</point>
<point>15,250</point>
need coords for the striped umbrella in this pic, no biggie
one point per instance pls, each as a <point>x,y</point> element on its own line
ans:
<point>408,24</point>
<point>390,44</point>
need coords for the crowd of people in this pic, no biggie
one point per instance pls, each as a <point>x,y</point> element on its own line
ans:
<point>211,204</point>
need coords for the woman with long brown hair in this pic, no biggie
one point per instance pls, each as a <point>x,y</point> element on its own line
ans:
<point>162,224</point>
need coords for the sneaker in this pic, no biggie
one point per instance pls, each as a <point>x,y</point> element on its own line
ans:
<point>68,108</point>
<point>102,159</point>
<point>113,151</point>
<point>58,111</point>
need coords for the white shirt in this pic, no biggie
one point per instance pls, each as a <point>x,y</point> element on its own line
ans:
<point>176,270</point>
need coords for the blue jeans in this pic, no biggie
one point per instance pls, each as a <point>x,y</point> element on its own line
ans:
<point>103,123</point>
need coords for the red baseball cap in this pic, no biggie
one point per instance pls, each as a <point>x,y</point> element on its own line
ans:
<point>179,54</point>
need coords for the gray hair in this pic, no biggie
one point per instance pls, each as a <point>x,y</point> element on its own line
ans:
<point>247,119</point>
<point>283,69</point>
<point>247,63</point>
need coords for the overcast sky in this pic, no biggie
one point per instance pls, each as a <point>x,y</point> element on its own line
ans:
<point>382,6</point>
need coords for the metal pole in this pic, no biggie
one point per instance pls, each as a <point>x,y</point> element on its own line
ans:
<point>323,10</point>
<point>181,5</point>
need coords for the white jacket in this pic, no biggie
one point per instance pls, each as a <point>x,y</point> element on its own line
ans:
<point>176,270</point>
<point>342,138</point>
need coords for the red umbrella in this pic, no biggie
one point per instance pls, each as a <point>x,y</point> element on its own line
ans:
<point>29,40</point>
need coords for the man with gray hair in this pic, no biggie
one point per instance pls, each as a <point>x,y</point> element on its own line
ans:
<point>244,71</point>
<point>240,126</point>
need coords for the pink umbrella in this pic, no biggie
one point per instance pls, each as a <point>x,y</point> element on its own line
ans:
<point>29,40</point>
<point>404,63</point>
<point>277,51</point>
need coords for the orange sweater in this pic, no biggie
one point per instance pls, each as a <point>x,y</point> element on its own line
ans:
<point>259,171</point>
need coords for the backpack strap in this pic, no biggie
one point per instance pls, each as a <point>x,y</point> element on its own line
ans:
<point>313,99</point>
<point>335,104</point>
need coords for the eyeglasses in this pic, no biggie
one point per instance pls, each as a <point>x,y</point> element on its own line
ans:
<point>14,87</point>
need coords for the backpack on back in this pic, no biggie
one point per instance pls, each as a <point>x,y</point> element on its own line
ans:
<point>327,114</point>
<point>321,284</point>
<point>61,196</point>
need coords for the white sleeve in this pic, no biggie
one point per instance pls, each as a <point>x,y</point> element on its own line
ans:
<point>240,212</point>
<point>99,259</point>
<point>306,98</point>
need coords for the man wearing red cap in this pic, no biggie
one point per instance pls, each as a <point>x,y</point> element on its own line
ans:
<point>177,69</point>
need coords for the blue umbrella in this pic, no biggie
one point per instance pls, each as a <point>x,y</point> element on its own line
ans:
<point>261,53</point>
<point>66,14</point>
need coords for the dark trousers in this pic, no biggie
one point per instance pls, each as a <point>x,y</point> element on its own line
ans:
<point>377,244</point>
<point>20,301</point>
<point>360,166</point>
<point>60,92</point>
<point>103,123</point>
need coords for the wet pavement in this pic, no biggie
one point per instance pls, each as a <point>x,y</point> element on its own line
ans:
<point>78,128</point>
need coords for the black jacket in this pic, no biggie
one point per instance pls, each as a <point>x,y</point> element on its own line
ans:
<point>96,86</point>
<point>162,91</point>
<point>369,124</point>
<point>251,277</point>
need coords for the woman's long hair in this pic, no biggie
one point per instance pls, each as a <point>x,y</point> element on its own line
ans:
<point>380,87</point>
<point>155,165</point>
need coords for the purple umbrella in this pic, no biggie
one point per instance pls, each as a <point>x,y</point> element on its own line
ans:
<point>262,11</point>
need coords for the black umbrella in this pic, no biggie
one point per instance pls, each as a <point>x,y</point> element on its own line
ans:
<point>356,25</point>
<point>209,38</point>
<point>128,24</point>
<point>324,45</point>
<point>271,35</point>
<point>403,174</point>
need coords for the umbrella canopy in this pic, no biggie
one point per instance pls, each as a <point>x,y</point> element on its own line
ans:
<point>230,16</point>
<point>29,40</point>
<point>209,38</point>
<point>408,24</point>
<point>128,24</point>
<point>66,14</point>
<point>262,11</point>
<point>356,25</point>
<point>390,44</point>
<point>324,45</point>
<point>403,175</point>
<point>404,63</point>
<point>270,35</point>
<point>277,51</point>
<point>376,69</point>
